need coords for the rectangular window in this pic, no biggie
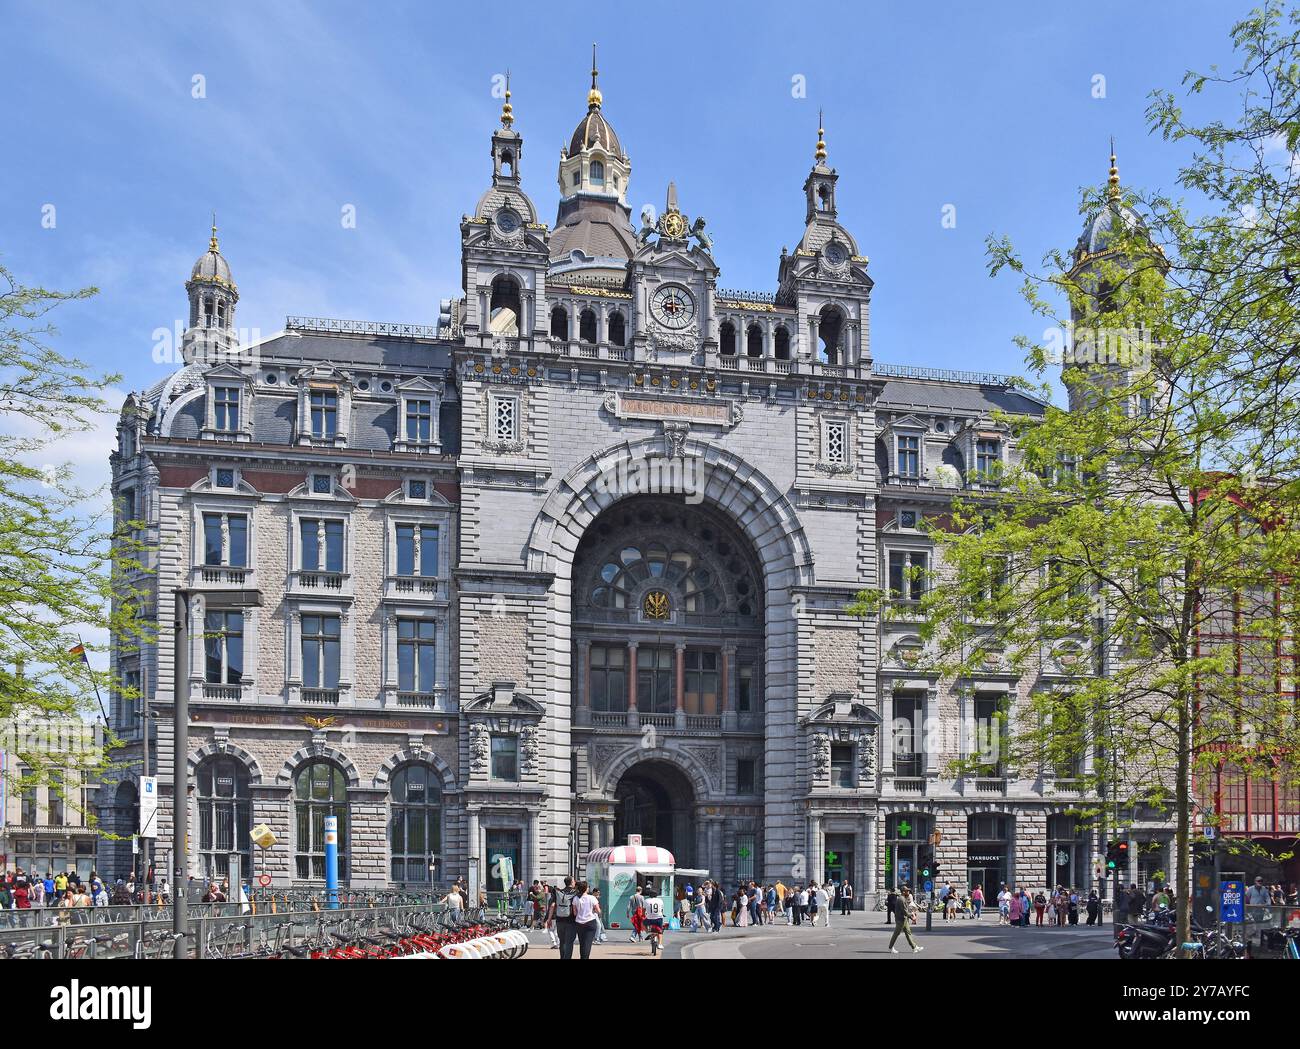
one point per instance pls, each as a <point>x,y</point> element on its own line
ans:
<point>654,680</point>
<point>223,645</point>
<point>701,682</point>
<point>988,460</point>
<point>419,421</point>
<point>324,414</point>
<point>745,776</point>
<point>837,442</point>
<point>746,684</point>
<point>416,648</point>
<point>909,759</point>
<point>505,758</point>
<point>128,701</point>
<point>28,814</point>
<point>609,678</point>
<point>505,419</point>
<point>322,545</point>
<point>55,793</point>
<point>225,540</point>
<point>990,733</point>
<point>225,408</point>
<point>909,458</point>
<point>907,569</point>
<point>842,764</point>
<point>127,506</point>
<point>745,848</point>
<point>320,651</point>
<point>417,550</point>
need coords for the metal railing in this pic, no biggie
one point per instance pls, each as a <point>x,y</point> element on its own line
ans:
<point>335,326</point>
<point>912,371</point>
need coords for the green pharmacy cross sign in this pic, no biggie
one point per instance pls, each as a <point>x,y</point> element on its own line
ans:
<point>904,829</point>
<point>744,852</point>
<point>832,858</point>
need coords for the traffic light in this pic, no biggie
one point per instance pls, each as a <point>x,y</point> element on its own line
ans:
<point>1116,855</point>
<point>928,870</point>
<point>934,867</point>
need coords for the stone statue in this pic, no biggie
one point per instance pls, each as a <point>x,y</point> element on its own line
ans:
<point>697,231</point>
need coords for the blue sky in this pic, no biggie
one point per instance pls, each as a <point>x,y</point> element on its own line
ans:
<point>388,107</point>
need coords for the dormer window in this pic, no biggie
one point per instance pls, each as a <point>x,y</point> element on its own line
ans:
<point>909,457</point>
<point>419,421</point>
<point>225,408</point>
<point>988,460</point>
<point>324,407</point>
<point>419,408</point>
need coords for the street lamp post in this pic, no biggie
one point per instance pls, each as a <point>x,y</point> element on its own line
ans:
<point>180,779</point>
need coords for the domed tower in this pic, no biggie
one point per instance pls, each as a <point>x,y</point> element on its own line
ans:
<point>1108,345</point>
<point>593,227</point>
<point>212,292</point>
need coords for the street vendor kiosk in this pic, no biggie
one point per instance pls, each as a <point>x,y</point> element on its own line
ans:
<point>617,870</point>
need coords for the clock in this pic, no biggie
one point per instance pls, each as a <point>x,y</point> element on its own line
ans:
<point>672,306</point>
<point>836,253</point>
<point>507,221</point>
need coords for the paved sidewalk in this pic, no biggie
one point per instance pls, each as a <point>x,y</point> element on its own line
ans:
<point>617,946</point>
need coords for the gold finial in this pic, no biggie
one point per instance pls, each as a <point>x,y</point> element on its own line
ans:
<point>212,243</point>
<point>820,155</point>
<point>594,96</point>
<point>1112,183</point>
<point>507,110</point>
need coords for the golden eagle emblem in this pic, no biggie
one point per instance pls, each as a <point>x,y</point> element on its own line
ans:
<point>319,724</point>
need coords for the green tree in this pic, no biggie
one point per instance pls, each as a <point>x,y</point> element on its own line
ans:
<point>64,567</point>
<point>1136,555</point>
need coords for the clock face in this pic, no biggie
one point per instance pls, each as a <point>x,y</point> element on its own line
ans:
<point>507,220</point>
<point>836,253</point>
<point>673,306</point>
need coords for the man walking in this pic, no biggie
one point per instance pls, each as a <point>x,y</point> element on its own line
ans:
<point>904,915</point>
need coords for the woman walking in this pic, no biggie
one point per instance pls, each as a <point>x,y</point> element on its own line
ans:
<point>586,915</point>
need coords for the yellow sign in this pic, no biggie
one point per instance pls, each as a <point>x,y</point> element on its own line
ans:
<point>262,836</point>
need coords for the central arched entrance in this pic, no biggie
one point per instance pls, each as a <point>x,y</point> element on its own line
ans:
<point>656,800</point>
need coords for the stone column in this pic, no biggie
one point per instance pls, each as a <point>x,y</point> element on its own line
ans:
<point>680,715</point>
<point>870,868</point>
<point>633,718</point>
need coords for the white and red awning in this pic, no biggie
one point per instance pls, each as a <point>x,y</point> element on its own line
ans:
<point>640,856</point>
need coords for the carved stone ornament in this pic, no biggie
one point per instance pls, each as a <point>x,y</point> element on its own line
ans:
<point>480,746</point>
<point>683,341</point>
<point>675,435</point>
<point>867,758</point>
<point>821,754</point>
<point>529,750</point>
<point>834,468</point>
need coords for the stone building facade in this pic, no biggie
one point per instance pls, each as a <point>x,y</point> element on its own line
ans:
<point>651,500</point>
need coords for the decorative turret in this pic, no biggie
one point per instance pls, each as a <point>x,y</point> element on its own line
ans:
<point>593,227</point>
<point>212,295</point>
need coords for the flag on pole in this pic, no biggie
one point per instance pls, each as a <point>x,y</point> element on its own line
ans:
<point>79,650</point>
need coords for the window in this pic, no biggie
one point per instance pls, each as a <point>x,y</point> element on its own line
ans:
<point>505,758</point>
<point>322,484</point>
<point>223,648</point>
<point>128,701</point>
<point>320,651</point>
<point>990,733</point>
<point>654,680</point>
<point>414,823</point>
<point>1066,852</point>
<point>746,688</point>
<point>909,458</point>
<point>617,329</point>
<point>322,545</point>
<point>54,792</point>
<point>416,649</point>
<point>505,419</point>
<point>837,442</point>
<point>224,478</point>
<point>126,443</point>
<point>701,678</point>
<point>727,339</point>
<point>225,816</point>
<point>587,326</point>
<point>127,507</point>
<point>319,791</point>
<point>700,587</point>
<point>324,408</point>
<point>906,837</point>
<point>907,569</point>
<point>842,764</point>
<point>417,550</point>
<point>596,173</point>
<point>745,776</point>
<point>225,408</point>
<point>28,802</point>
<point>225,540</point>
<point>988,460</point>
<point>417,490</point>
<point>909,721</point>
<point>559,323</point>
<point>608,678</point>
<point>419,421</point>
<point>754,341</point>
<point>745,849</point>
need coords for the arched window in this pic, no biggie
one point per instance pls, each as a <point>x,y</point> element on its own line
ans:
<point>209,310</point>
<point>830,325</point>
<point>559,322</point>
<point>727,339</point>
<point>699,586</point>
<point>225,816</point>
<point>596,173</point>
<point>319,790</point>
<point>504,306</point>
<point>507,163</point>
<point>587,326</point>
<point>907,838</point>
<point>617,329</point>
<point>824,198</point>
<point>782,339</point>
<point>754,341</point>
<point>415,822</point>
<point>221,313</point>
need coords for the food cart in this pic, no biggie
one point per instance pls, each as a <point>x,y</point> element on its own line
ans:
<point>618,869</point>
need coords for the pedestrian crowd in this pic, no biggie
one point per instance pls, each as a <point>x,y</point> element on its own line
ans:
<point>21,890</point>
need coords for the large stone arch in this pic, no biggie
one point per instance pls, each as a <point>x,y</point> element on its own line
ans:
<point>225,748</point>
<point>313,753</point>
<point>767,518</point>
<point>446,776</point>
<point>635,754</point>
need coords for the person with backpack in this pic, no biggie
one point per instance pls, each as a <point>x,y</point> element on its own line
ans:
<point>1040,905</point>
<point>562,918</point>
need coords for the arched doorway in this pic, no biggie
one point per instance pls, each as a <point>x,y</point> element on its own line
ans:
<point>656,800</point>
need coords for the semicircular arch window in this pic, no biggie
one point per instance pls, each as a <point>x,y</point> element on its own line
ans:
<point>621,577</point>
